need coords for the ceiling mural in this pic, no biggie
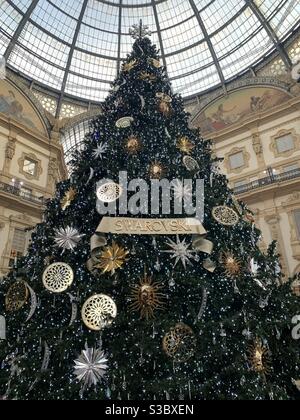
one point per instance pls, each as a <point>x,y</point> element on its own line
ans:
<point>238,106</point>
<point>16,106</point>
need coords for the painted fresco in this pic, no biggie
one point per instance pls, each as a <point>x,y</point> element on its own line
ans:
<point>237,106</point>
<point>15,105</point>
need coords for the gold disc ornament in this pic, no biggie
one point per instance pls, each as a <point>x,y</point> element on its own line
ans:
<point>225,216</point>
<point>180,343</point>
<point>58,277</point>
<point>109,192</point>
<point>16,296</point>
<point>98,312</point>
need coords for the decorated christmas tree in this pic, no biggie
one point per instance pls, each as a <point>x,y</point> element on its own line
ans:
<point>145,280</point>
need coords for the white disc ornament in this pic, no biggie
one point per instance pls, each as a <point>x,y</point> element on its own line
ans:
<point>58,277</point>
<point>109,192</point>
<point>226,216</point>
<point>124,122</point>
<point>191,164</point>
<point>98,312</point>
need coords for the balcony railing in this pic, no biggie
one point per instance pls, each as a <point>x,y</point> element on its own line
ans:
<point>24,195</point>
<point>270,179</point>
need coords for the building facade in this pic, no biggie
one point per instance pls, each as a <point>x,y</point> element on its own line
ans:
<point>255,129</point>
<point>31,162</point>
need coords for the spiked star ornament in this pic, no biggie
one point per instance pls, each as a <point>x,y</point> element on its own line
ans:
<point>180,252</point>
<point>185,145</point>
<point>67,238</point>
<point>112,258</point>
<point>100,150</point>
<point>181,191</point>
<point>90,367</point>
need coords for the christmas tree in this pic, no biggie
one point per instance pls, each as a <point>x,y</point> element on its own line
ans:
<point>145,302</point>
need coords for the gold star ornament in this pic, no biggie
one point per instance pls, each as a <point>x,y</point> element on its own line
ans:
<point>129,66</point>
<point>112,258</point>
<point>157,170</point>
<point>185,145</point>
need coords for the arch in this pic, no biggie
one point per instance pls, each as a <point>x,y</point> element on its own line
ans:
<point>246,97</point>
<point>19,104</point>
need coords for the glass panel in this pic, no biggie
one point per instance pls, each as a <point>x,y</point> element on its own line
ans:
<point>285,143</point>
<point>237,160</point>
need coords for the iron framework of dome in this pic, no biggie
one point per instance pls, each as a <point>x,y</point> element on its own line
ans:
<point>76,47</point>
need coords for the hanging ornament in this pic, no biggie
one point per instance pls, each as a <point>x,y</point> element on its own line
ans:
<point>209,265</point>
<point>164,97</point>
<point>143,102</point>
<point>225,216</point>
<point>185,145</point>
<point>74,310</point>
<point>124,122</point>
<point>232,265</point>
<point>180,343</point>
<point>148,77</point>
<point>98,312</point>
<point>203,304</point>
<point>109,192</point>
<point>164,108</point>
<point>16,296</point>
<point>146,298</point>
<point>112,258</point>
<point>2,328</point>
<point>260,358</point>
<point>90,367</point>
<point>133,145</point>
<point>100,151</point>
<point>67,238</point>
<point>58,277</point>
<point>46,359</point>
<point>33,305</point>
<point>191,164</point>
<point>296,287</point>
<point>68,198</point>
<point>180,251</point>
<point>155,63</point>
<point>157,170</point>
<point>92,171</point>
<point>127,67</point>
<point>249,218</point>
<point>237,205</point>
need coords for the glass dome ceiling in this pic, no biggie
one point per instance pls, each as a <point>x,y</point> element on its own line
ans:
<point>76,46</point>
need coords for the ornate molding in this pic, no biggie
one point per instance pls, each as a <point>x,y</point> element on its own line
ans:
<point>232,152</point>
<point>10,148</point>
<point>38,171</point>
<point>281,133</point>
